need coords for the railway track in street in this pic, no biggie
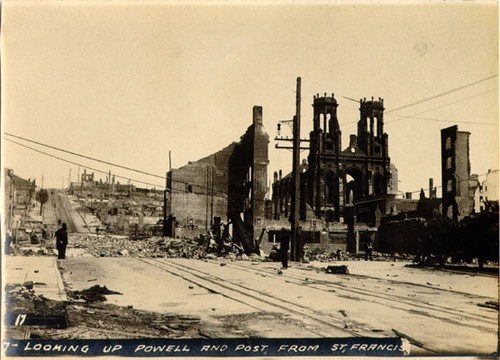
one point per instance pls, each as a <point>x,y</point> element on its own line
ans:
<point>463,318</point>
<point>261,301</point>
<point>413,305</point>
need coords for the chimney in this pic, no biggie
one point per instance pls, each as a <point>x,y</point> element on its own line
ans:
<point>431,188</point>
<point>257,115</point>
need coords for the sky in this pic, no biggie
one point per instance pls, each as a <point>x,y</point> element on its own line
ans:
<point>128,81</point>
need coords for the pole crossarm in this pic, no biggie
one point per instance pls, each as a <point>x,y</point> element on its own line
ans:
<point>289,147</point>
<point>289,139</point>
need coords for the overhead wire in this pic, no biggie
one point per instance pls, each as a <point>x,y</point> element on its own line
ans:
<point>444,105</point>
<point>440,186</point>
<point>85,156</point>
<point>78,164</point>
<point>443,93</point>
<point>414,116</point>
<point>202,187</point>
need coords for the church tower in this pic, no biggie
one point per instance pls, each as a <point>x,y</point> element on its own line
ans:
<point>325,146</point>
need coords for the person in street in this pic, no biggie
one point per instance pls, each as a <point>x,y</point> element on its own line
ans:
<point>62,241</point>
<point>284,250</point>
<point>8,241</point>
<point>368,249</point>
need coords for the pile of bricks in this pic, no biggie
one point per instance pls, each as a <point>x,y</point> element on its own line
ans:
<point>120,246</point>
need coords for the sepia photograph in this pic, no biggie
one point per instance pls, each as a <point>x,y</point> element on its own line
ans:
<point>249,178</point>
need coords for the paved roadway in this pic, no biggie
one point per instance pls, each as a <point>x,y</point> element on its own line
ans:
<point>438,315</point>
<point>59,205</point>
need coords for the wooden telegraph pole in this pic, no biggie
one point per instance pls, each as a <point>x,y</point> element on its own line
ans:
<point>296,246</point>
<point>296,253</point>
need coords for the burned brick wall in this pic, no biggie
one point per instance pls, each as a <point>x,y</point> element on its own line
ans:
<point>233,180</point>
<point>458,199</point>
<point>400,236</point>
<point>198,190</point>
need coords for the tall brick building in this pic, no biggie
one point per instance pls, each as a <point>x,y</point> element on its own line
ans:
<point>458,184</point>
<point>232,181</point>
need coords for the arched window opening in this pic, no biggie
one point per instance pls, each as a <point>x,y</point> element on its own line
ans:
<point>330,186</point>
<point>378,186</point>
<point>329,123</point>
<point>354,185</point>
<point>322,121</point>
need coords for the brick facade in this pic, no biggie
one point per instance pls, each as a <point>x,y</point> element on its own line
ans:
<point>232,180</point>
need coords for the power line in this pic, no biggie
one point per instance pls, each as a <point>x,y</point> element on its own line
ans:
<point>216,193</point>
<point>78,164</point>
<point>444,93</point>
<point>442,120</point>
<point>440,186</point>
<point>448,104</point>
<point>86,157</point>
<point>414,116</point>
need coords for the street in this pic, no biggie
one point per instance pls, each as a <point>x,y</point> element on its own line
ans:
<point>434,315</point>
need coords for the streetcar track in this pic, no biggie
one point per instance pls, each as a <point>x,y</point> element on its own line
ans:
<point>286,308</point>
<point>394,298</point>
<point>336,284</point>
<point>216,280</point>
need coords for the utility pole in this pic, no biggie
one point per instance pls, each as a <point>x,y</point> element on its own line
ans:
<point>296,246</point>
<point>212,190</point>
<point>206,205</point>
<point>165,208</point>
<point>296,254</point>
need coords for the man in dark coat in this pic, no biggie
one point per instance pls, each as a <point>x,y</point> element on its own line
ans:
<point>62,241</point>
<point>368,248</point>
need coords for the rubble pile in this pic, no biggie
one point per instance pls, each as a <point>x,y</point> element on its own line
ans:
<point>327,255</point>
<point>31,316</point>
<point>93,294</point>
<point>15,293</point>
<point>119,246</point>
<point>26,311</point>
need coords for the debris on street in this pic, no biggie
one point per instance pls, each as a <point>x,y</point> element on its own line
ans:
<point>93,294</point>
<point>339,269</point>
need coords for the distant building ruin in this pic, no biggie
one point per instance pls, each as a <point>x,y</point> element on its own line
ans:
<point>487,192</point>
<point>19,194</point>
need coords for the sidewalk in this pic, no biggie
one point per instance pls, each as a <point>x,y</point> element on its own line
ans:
<point>42,271</point>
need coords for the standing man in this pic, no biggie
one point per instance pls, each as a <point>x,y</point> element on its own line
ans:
<point>368,248</point>
<point>62,241</point>
<point>284,249</point>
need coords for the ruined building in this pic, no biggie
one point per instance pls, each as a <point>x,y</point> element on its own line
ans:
<point>487,192</point>
<point>340,181</point>
<point>458,184</point>
<point>231,183</point>
<point>19,194</point>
